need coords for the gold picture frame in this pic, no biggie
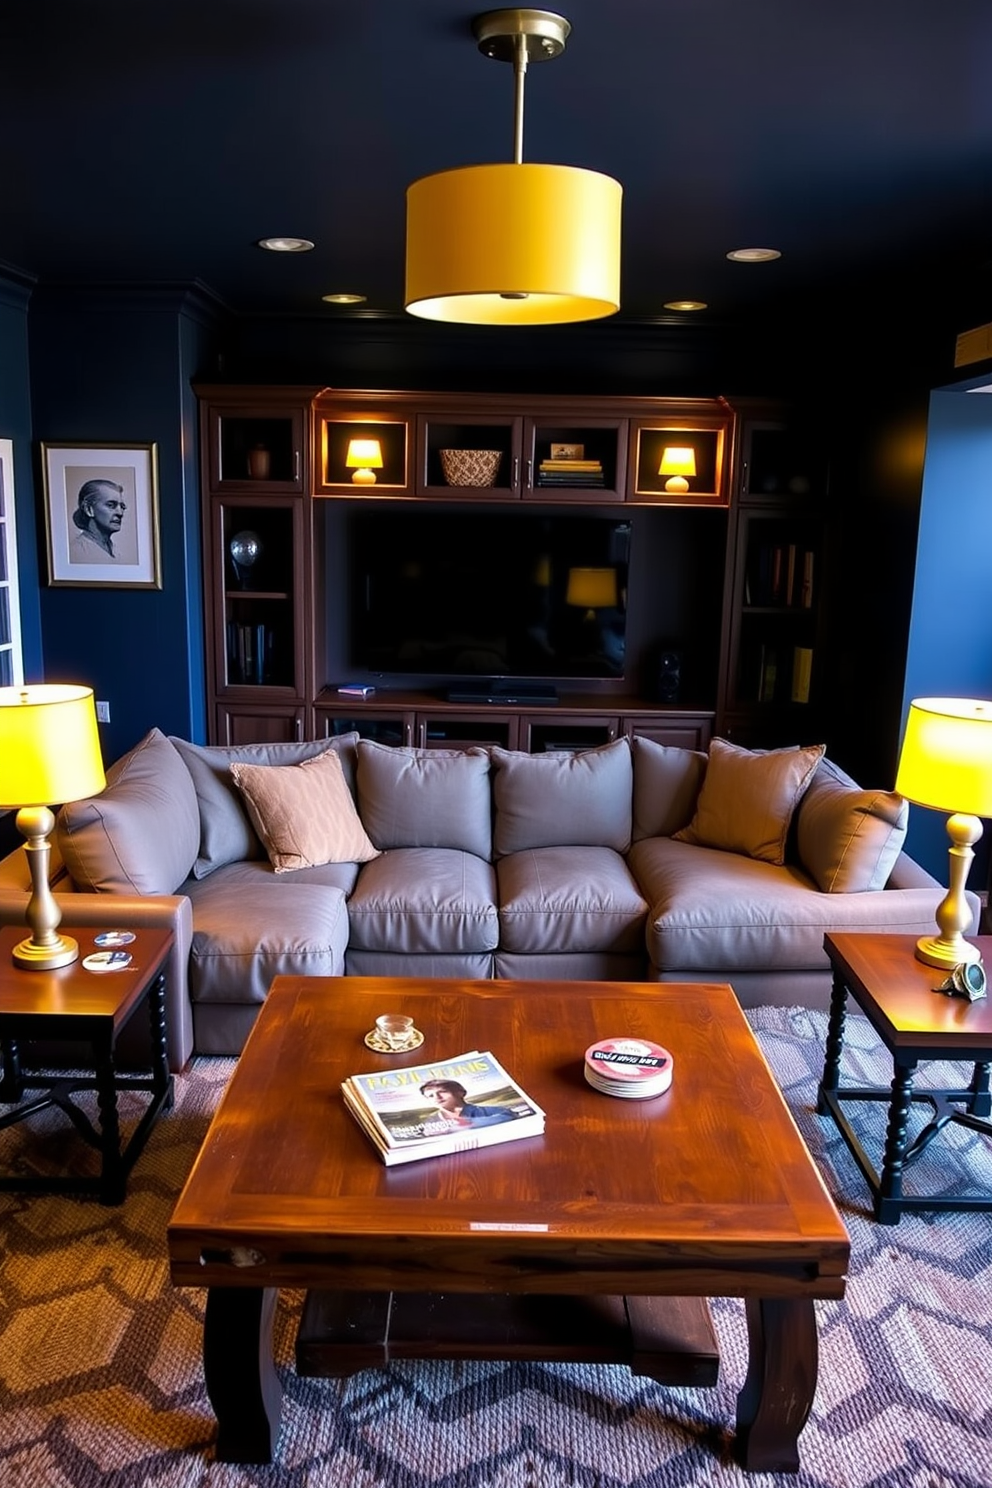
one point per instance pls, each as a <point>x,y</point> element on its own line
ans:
<point>101,516</point>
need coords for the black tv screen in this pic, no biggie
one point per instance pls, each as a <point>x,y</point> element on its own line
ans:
<point>462,594</point>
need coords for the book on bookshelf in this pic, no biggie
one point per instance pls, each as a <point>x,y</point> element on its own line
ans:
<point>444,1106</point>
<point>802,666</point>
<point>806,587</point>
<point>768,675</point>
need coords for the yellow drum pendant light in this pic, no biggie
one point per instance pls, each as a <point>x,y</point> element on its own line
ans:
<point>514,244</point>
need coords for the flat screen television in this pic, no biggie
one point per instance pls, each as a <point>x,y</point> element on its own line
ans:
<point>483,594</point>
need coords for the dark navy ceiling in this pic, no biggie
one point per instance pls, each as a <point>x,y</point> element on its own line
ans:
<point>157,140</point>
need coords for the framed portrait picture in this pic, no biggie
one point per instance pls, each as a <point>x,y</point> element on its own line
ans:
<point>101,515</point>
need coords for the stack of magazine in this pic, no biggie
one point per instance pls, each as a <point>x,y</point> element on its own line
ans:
<point>449,1105</point>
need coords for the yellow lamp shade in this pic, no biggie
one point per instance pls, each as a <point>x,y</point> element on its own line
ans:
<point>513,244</point>
<point>946,758</point>
<point>49,745</point>
<point>592,588</point>
<point>364,452</point>
<point>677,461</point>
<point>364,457</point>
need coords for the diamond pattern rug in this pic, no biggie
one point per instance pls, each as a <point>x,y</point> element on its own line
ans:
<point>100,1375</point>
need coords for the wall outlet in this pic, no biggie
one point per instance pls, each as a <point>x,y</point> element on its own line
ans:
<point>103,712</point>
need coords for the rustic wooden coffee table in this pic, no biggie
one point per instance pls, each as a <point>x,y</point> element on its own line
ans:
<point>599,1240</point>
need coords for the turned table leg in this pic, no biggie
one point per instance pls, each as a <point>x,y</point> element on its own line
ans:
<point>777,1397</point>
<point>240,1372</point>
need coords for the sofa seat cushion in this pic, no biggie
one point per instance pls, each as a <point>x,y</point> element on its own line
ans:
<point>425,900</point>
<point>140,835</point>
<point>246,934</point>
<point>569,899</point>
<point>721,912</point>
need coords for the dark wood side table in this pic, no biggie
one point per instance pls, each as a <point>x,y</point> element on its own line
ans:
<point>79,1006</point>
<point>896,992</point>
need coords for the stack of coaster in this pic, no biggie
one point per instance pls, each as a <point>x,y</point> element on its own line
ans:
<point>631,1068</point>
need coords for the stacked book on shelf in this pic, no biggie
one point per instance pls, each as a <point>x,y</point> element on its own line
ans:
<point>448,1105</point>
<point>249,651</point>
<point>770,681</point>
<point>781,574</point>
<point>569,472</point>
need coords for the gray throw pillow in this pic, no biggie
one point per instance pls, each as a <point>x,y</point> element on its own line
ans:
<point>563,800</point>
<point>226,833</point>
<point>667,781</point>
<point>425,797</point>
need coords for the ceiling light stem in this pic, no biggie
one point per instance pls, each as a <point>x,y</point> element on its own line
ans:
<point>519,75</point>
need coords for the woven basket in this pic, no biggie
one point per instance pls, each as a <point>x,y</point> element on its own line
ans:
<point>470,467</point>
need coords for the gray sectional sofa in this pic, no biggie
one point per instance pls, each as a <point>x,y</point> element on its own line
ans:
<point>630,861</point>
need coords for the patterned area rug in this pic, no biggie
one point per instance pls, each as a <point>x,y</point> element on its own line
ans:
<point>100,1378</point>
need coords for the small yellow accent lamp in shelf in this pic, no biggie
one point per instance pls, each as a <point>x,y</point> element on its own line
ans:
<point>946,764</point>
<point>364,457</point>
<point>50,752</point>
<point>677,462</point>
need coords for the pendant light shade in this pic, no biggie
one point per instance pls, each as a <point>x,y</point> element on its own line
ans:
<point>514,244</point>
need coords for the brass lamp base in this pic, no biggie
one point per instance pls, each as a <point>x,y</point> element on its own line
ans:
<point>946,954</point>
<point>34,957</point>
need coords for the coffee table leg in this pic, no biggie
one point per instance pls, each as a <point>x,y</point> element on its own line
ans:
<point>240,1372</point>
<point>777,1397</point>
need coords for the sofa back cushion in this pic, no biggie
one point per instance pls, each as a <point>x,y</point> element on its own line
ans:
<point>748,798</point>
<point>563,800</point>
<point>226,832</point>
<point>140,835</point>
<point>667,781</point>
<point>425,797</point>
<point>848,839</point>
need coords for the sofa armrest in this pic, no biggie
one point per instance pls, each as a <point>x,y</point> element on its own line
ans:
<point>126,912</point>
<point>908,874</point>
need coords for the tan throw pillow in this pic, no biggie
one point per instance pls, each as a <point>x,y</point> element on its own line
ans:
<point>747,799</point>
<point>849,838</point>
<point>304,813</point>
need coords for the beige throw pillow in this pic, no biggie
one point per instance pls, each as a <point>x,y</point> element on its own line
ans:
<point>747,799</point>
<point>304,813</point>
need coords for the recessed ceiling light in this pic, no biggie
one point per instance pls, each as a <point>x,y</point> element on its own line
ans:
<point>685,304</point>
<point>344,299</point>
<point>754,255</point>
<point>285,245</point>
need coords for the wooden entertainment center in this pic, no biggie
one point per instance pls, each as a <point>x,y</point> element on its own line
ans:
<point>727,564</point>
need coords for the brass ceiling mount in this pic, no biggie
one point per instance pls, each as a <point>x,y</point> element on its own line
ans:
<point>503,34</point>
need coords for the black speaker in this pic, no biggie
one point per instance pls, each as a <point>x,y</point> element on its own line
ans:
<point>669,676</point>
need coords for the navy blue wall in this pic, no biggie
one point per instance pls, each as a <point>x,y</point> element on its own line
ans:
<point>950,634</point>
<point>118,369</point>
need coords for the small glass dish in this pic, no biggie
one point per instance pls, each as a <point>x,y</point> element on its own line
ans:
<point>394,1033</point>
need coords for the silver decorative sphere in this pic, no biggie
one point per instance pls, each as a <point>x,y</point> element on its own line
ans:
<point>245,548</point>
